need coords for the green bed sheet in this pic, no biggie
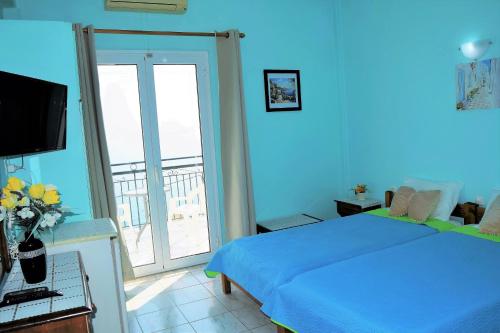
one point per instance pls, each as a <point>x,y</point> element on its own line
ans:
<point>474,231</point>
<point>439,225</point>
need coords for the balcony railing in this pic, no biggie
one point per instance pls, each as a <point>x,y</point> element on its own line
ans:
<point>183,181</point>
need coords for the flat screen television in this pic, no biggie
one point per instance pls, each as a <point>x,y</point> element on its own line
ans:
<point>32,115</point>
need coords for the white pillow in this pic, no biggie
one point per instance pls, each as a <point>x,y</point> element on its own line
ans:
<point>494,194</point>
<point>450,193</point>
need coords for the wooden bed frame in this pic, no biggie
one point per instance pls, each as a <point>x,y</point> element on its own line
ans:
<point>469,211</point>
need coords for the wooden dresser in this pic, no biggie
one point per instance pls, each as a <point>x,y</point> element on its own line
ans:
<point>71,312</point>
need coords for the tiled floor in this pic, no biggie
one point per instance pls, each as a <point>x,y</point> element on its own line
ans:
<point>186,301</point>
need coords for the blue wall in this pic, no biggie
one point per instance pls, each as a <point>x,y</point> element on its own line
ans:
<point>392,114</point>
<point>295,156</point>
<point>46,50</point>
<point>399,59</point>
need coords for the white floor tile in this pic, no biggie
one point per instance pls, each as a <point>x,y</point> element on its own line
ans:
<point>179,329</point>
<point>189,294</point>
<point>133,325</point>
<point>236,300</point>
<point>131,284</point>
<point>160,320</point>
<point>132,291</point>
<point>202,309</point>
<point>197,267</point>
<point>270,328</point>
<point>251,317</point>
<point>214,286</point>
<point>201,276</point>
<point>142,280</point>
<point>224,323</point>
<point>142,304</point>
<point>186,301</point>
<point>177,281</point>
<point>174,272</point>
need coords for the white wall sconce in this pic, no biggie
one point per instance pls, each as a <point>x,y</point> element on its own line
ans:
<point>475,50</point>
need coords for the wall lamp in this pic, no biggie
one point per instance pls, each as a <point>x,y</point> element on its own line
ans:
<point>475,50</point>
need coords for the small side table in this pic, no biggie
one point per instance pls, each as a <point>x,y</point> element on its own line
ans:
<point>286,222</point>
<point>346,207</point>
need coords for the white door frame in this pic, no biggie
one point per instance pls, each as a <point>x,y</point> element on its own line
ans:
<point>145,61</point>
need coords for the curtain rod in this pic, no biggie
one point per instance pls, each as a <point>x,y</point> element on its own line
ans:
<point>162,33</point>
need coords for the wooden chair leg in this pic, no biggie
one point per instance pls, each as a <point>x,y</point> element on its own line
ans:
<point>226,284</point>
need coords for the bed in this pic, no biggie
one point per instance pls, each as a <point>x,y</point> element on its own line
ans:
<point>447,282</point>
<point>259,264</point>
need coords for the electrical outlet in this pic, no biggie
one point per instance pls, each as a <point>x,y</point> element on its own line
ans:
<point>11,168</point>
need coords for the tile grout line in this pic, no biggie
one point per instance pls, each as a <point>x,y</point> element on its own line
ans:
<point>213,296</point>
<point>149,282</point>
<point>177,305</point>
<point>194,329</point>
<point>182,314</point>
<point>190,322</point>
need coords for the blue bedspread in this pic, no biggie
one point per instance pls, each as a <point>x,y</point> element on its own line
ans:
<point>444,283</point>
<point>261,263</point>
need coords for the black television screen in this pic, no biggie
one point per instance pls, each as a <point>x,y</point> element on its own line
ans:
<point>32,115</point>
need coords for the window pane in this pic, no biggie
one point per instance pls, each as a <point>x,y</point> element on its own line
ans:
<point>182,159</point>
<point>123,126</point>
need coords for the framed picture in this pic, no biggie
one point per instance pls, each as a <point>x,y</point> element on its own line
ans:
<point>478,85</point>
<point>282,90</point>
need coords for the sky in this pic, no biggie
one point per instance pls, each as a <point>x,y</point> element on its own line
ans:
<point>176,110</point>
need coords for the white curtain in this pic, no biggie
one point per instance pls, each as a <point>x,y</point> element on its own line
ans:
<point>100,177</point>
<point>239,211</point>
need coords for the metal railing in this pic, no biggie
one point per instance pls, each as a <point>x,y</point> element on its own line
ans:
<point>183,180</point>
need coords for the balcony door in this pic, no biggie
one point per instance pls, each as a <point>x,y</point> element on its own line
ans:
<point>158,124</point>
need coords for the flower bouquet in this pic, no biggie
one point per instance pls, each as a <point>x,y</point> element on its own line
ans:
<point>25,210</point>
<point>360,191</point>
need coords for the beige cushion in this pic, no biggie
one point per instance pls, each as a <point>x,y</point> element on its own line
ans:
<point>401,201</point>
<point>490,223</point>
<point>422,204</point>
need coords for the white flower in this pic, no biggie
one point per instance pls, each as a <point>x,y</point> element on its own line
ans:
<point>50,219</point>
<point>65,209</point>
<point>50,187</point>
<point>25,213</point>
<point>10,219</point>
<point>3,213</point>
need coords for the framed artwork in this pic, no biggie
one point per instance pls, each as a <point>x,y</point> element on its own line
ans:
<point>282,90</point>
<point>478,85</point>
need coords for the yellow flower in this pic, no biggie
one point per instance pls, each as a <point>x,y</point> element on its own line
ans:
<point>6,192</point>
<point>9,202</point>
<point>15,184</point>
<point>24,202</point>
<point>37,191</point>
<point>51,198</point>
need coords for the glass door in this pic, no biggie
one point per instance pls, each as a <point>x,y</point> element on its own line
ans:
<point>158,126</point>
